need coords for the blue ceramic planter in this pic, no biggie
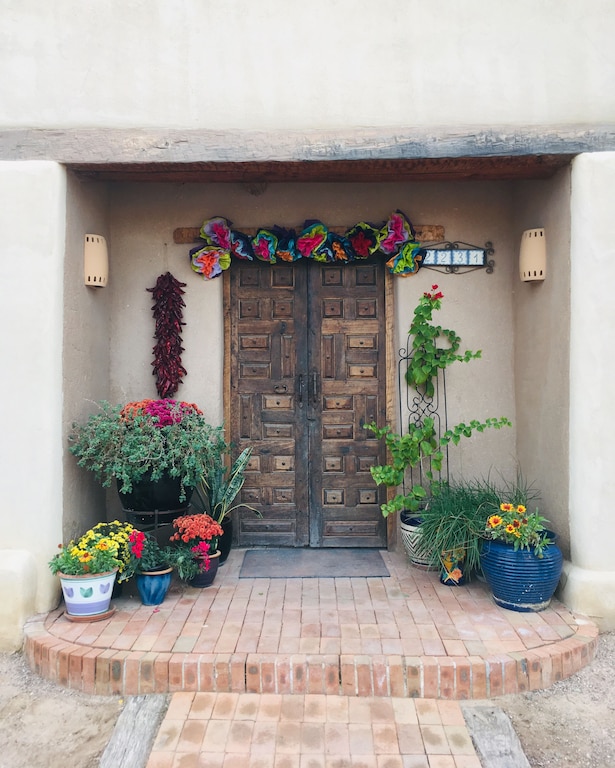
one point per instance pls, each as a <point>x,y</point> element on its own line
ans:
<point>519,580</point>
<point>153,586</point>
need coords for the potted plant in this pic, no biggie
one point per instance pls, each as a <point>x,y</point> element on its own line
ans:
<point>194,548</point>
<point>87,569</point>
<point>120,534</point>
<point>150,563</point>
<point>421,448</point>
<point>520,559</point>
<point>453,529</point>
<point>149,448</point>
<point>217,491</point>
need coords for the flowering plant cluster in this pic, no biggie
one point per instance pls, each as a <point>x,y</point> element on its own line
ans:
<point>162,412</point>
<point>146,554</point>
<point>192,529</point>
<point>103,548</point>
<point>427,356</point>
<point>519,528</point>
<point>195,539</point>
<point>119,533</point>
<point>147,440</point>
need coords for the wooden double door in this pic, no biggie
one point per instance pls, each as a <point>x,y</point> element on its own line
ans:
<point>306,347</point>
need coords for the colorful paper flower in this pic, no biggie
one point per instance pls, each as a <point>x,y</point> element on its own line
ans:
<point>209,261</point>
<point>312,239</point>
<point>264,245</point>
<point>363,239</point>
<point>217,231</point>
<point>395,233</point>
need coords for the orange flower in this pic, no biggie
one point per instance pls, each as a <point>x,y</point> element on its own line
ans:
<point>201,527</point>
<point>494,521</point>
<point>506,507</point>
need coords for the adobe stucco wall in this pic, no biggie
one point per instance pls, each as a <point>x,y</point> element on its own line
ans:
<point>87,345</point>
<point>589,583</point>
<point>32,243</point>
<point>274,64</point>
<point>542,351</point>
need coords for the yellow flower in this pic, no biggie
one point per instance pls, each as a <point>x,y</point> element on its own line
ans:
<point>520,508</point>
<point>505,507</point>
<point>494,521</point>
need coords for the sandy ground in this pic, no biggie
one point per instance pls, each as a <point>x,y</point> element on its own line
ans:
<point>571,725</point>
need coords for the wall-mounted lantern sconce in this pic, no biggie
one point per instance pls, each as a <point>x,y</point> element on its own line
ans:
<point>533,255</point>
<point>95,261</point>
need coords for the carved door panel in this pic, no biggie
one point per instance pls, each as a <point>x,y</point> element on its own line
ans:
<point>307,371</point>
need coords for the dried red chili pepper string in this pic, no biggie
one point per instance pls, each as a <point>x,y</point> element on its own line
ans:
<point>167,311</point>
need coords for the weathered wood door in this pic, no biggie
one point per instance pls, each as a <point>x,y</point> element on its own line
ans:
<point>307,371</point>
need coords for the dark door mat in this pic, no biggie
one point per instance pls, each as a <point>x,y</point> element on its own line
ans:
<point>312,563</point>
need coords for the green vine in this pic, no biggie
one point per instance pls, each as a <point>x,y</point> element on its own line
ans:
<point>427,358</point>
<point>412,449</point>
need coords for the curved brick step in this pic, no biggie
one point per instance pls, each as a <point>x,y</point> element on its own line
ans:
<point>105,671</point>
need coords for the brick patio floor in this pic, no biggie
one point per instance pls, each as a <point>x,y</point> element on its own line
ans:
<point>405,643</point>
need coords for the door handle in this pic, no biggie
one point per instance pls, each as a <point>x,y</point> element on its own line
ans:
<point>300,387</point>
<point>314,388</point>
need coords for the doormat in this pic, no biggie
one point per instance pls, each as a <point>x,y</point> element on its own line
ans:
<point>312,564</point>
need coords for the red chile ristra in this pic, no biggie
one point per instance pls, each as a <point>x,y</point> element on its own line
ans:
<point>167,312</point>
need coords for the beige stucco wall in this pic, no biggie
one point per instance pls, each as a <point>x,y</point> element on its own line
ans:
<point>478,306</point>
<point>542,358</point>
<point>274,64</point>
<point>32,227</point>
<point>589,584</point>
<point>87,344</point>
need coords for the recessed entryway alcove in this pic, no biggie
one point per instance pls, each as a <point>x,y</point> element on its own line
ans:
<point>521,329</point>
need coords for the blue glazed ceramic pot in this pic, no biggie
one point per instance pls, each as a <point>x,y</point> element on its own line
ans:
<point>519,580</point>
<point>153,586</point>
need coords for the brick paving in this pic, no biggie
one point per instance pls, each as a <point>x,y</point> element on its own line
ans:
<point>292,673</point>
<point>231,730</point>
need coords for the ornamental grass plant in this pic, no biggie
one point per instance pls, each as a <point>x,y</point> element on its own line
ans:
<point>454,521</point>
<point>220,485</point>
<point>146,440</point>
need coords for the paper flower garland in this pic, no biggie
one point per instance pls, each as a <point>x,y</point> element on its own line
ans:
<point>395,240</point>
